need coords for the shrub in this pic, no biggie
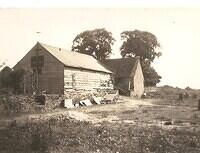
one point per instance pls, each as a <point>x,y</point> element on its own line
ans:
<point>194,96</point>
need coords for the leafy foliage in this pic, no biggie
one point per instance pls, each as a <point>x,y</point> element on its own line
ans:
<point>139,43</point>
<point>151,77</point>
<point>59,133</point>
<point>96,42</point>
<point>5,77</point>
<point>143,44</point>
<point>10,79</point>
<point>17,80</point>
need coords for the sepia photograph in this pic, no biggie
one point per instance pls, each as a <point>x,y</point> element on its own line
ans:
<point>99,77</point>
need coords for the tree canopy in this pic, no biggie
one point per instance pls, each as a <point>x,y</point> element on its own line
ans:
<point>96,42</point>
<point>151,77</point>
<point>143,44</point>
<point>139,43</point>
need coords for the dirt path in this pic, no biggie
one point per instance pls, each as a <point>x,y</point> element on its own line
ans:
<point>142,112</point>
<point>127,110</point>
<point>91,113</point>
<point>82,114</point>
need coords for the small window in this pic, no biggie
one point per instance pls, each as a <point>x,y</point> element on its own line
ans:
<point>37,61</point>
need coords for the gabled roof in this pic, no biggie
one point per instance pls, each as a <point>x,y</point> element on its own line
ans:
<point>74,59</point>
<point>122,67</point>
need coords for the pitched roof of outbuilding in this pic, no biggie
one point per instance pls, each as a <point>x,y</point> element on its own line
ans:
<point>74,59</point>
<point>122,67</point>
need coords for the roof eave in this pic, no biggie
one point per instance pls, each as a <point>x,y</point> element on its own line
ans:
<point>88,69</point>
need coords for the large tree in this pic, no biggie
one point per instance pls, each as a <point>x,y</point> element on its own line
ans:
<point>96,42</point>
<point>143,44</point>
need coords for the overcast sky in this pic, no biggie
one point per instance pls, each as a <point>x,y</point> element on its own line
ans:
<point>177,30</point>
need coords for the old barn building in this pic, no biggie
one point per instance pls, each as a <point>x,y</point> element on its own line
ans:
<point>128,76</point>
<point>55,70</point>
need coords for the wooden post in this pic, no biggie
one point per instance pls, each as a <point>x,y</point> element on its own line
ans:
<point>180,97</point>
<point>199,104</point>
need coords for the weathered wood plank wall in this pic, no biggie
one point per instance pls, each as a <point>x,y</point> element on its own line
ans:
<point>138,81</point>
<point>86,79</point>
<point>51,78</point>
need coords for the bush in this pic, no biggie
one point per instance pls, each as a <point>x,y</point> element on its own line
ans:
<point>194,96</point>
<point>59,133</point>
<point>17,104</point>
<point>27,104</point>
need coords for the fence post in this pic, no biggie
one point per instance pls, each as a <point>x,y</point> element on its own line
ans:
<point>199,104</point>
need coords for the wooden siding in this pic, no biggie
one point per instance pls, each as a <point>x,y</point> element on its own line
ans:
<point>51,78</point>
<point>138,82</point>
<point>85,79</point>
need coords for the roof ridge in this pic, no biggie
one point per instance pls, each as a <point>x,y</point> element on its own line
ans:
<point>74,59</point>
<point>70,51</point>
<point>122,66</point>
<point>41,43</point>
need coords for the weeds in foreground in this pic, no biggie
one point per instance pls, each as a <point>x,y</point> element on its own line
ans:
<point>61,134</point>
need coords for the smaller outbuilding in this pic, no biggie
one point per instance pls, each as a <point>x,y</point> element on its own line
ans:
<point>128,76</point>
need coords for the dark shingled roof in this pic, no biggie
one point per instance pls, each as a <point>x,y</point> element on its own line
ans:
<point>122,67</point>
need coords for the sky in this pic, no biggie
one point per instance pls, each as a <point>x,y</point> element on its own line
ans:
<point>177,30</point>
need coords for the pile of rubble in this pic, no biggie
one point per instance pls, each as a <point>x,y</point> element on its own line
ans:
<point>47,102</point>
<point>52,101</point>
<point>90,99</point>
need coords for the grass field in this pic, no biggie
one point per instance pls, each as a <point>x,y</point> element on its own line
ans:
<point>131,125</point>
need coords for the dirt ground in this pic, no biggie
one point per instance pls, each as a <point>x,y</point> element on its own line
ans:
<point>148,111</point>
<point>132,111</point>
